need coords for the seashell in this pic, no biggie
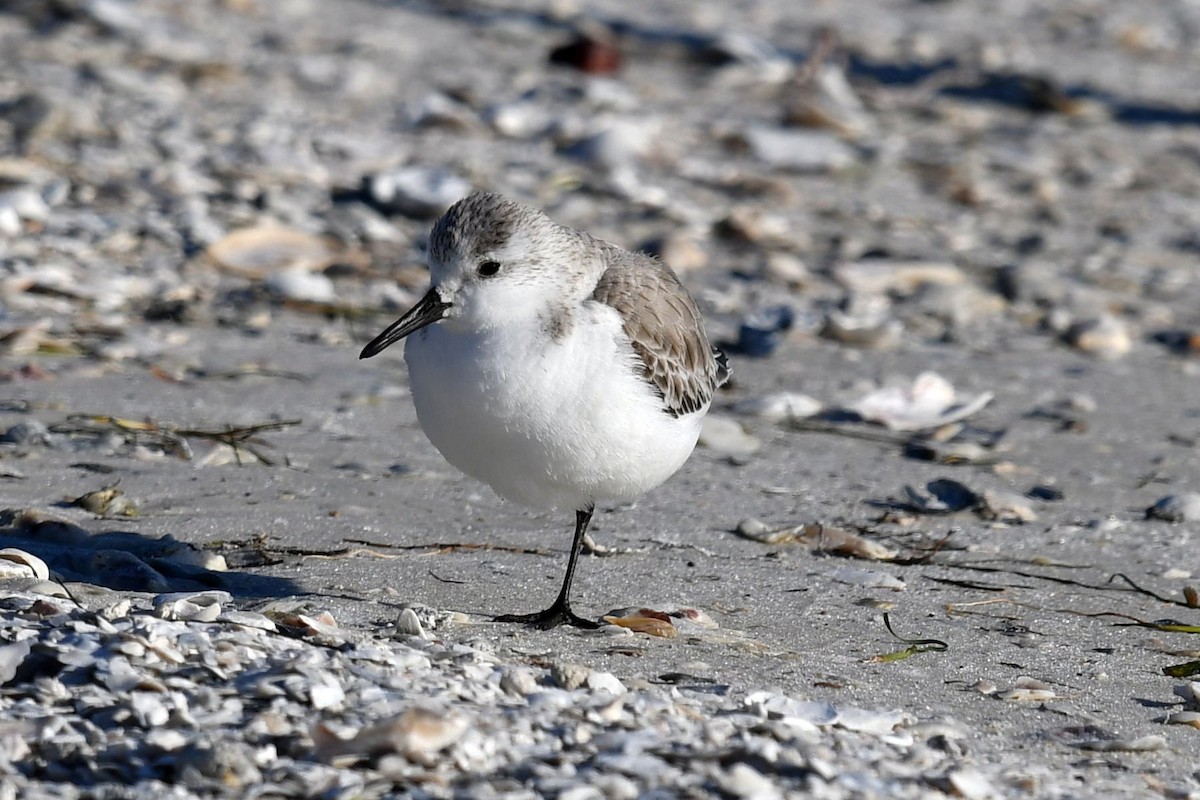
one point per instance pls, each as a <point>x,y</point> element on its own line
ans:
<point>417,734</point>
<point>48,588</point>
<point>299,285</point>
<point>519,681</point>
<point>681,252</point>
<point>726,436</point>
<point>1006,506</point>
<point>409,624</point>
<point>787,269</point>
<point>695,616</point>
<point>569,676</point>
<point>743,780</point>
<point>416,191</point>
<point>247,619</point>
<point>605,682</point>
<point>884,277</point>
<point>1184,718</point>
<point>867,578</point>
<point>826,100</point>
<point>879,723</point>
<point>258,252</point>
<point>813,713</point>
<point>15,563</point>
<point>31,432</point>
<point>621,144</point>
<point>165,740</point>
<point>1141,744</point>
<point>822,538</point>
<point>780,407</point>
<point>654,626</point>
<point>941,496</point>
<point>522,119</point>
<point>805,151</point>
<point>191,606</point>
<point>971,784</point>
<point>325,693</point>
<point>1176,508</point>
<point>1028,690</point>
<point>1027,695</point>
<point>12,656</point>
<point>1190,693</point>
<point>1105,337</point>
<point>929,402</point>
<point>107,502</point>
<point>965,452</point>
<point>438,110</point>
<point>876,330</point>
<point>740,47</point>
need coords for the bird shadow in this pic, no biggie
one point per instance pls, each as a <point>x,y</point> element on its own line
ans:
<point>123,560</point>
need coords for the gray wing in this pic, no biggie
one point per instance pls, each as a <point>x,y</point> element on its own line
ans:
<point>666,330</point>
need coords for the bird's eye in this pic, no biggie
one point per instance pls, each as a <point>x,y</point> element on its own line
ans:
<point>489,268</point>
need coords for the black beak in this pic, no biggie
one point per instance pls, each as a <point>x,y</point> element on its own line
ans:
<point>429,310</point>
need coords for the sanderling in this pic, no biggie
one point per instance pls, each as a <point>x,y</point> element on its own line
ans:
<point>559,369</point>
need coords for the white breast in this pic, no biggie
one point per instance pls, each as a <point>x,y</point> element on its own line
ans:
<point>551,424</point>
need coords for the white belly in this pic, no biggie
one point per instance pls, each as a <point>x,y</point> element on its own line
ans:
<point>548,424</point>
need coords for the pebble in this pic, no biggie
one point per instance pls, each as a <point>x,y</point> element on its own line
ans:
<point>762,331</point>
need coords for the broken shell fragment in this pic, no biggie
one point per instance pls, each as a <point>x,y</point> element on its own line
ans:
<point>821,538</point>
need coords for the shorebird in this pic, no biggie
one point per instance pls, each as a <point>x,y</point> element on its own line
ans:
<point>557,368</point>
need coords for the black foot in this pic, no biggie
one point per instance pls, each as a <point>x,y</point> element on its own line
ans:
<point>552,617</point>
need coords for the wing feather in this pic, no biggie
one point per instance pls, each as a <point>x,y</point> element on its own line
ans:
<point>665,329</point>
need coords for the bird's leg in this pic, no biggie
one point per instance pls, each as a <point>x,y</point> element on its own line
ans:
<point>560,612</point>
